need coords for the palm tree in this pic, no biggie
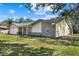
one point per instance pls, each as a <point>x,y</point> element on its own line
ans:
<point>28,20</point>
<point>21,20</point>
<point>8,22</point>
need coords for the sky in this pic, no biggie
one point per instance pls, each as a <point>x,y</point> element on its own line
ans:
<point>17,10</point>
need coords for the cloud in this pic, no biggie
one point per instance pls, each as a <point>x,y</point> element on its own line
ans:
<point>3,15</point>
<point>48,8</point>
<point>20,6</point>
<point>24,17</point>
<point>28,11</point>
<point>35,18</point>
<point>12,11</point>
<point>46,17</point>
<point>15,17</point>
<point>50,16</point>
<point>39,13</point>
<point>41,10</point>
<point>33,6</point>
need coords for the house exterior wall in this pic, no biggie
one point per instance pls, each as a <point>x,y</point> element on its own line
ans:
<point>53,30</point>
<point>13,29</point>
<point>36,28</point>
<point>48,29</point>
<point>43,29</point>
<point>62,29</point>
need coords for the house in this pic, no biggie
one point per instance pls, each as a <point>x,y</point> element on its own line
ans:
<point>3,29</point>
<point>50,28</point>
<point>20,28</point>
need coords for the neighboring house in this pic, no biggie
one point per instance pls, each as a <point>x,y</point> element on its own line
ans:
<point>49,28</point>
<point>3,29</point>
<point>20,28</point>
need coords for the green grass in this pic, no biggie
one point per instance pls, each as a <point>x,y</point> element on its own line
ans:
<point>37,46</point>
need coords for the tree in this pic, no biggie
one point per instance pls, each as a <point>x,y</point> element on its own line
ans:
<point>8,22</point>
<point>75,13</point>
<point>69,14</point>
<point>22,20</point>
<point>28,20</point>
<point>56,7</point>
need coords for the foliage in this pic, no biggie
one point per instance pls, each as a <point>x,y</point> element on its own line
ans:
<point>57,7</point>
<point>8,22</point>
<point>22,20</point>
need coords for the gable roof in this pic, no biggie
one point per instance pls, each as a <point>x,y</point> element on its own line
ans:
<point>53,20</point>
<point>23,24</point>
<point>36,21</point>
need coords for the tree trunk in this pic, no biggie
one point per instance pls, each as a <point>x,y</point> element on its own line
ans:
<point>9,30</point>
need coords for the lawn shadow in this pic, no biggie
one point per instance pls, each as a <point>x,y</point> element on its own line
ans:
<point>20,50</point>
<point>34,36</point>
<point>59,41</point>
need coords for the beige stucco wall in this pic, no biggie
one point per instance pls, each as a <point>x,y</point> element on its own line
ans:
<point>62,28</point>
<point>36,28</point>
<point>13,29</point>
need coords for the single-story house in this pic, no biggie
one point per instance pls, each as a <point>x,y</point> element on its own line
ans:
<point>50,28</point>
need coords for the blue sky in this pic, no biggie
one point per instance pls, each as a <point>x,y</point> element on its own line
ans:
<point>17,10</point>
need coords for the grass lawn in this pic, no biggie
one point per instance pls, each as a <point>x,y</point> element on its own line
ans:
<point>36,46</point>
